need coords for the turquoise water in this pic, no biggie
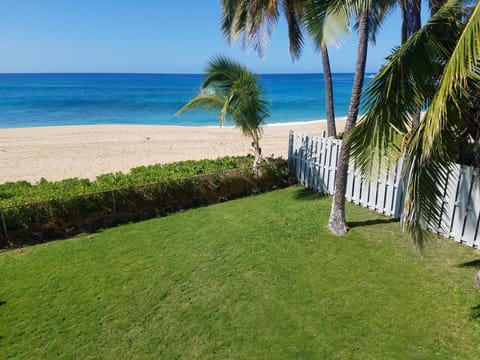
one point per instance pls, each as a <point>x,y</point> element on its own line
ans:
<point>29,100</point>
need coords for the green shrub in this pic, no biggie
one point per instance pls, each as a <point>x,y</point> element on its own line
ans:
<point>22,192</point>
<point>64,215</point>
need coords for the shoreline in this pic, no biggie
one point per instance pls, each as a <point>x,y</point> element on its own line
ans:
<point>86,151</point>
<point>281,123</point>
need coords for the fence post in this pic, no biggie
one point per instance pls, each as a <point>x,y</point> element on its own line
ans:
<point>4,225</point>
<point>291,139</point>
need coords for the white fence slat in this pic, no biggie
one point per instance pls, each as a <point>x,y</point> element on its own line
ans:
<point>372,198</point>
<point>322,162</point>
<point>472,210</point>
<point>350,182</point>
<point>357,187</point>
<point>449,201</point>
<point>332,166</point>
<point>390,191</point>
<point>365,191</point>
<point>460,207</point>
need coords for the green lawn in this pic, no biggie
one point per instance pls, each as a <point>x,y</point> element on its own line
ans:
<point>259,277</point>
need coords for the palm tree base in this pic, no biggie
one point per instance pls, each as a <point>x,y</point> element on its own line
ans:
<point>337,224</point>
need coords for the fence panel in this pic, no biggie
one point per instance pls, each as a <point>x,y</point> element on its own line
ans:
<point>313,161</point>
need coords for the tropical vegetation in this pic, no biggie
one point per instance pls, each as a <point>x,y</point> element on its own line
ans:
<point>234,91</point>
<point>254,22</point>
<point>437,69</point>
<point>259,277</point>
<point>22,192</point>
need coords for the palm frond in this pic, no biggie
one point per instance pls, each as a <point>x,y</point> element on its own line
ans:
<point>222,72</point>
<point>207,99</point>
<point>295,33</point>
<point>435,143</point>
<point>437,68</point>
<point>462,62</point>
<point>407,82</point>
<point>255,20</point>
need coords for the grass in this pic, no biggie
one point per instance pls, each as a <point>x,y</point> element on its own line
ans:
<point>259,277</point>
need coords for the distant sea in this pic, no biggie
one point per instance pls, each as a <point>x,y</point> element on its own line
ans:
<point>30,100</point>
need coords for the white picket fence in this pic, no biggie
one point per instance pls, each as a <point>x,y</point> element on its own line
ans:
<point>313,162</point>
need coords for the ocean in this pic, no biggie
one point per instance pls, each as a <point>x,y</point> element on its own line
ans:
<point>31,100</point>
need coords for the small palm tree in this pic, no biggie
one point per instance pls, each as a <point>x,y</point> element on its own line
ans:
<point>234,91</point>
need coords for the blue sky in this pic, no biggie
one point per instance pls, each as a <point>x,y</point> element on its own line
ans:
<point>150,36</point>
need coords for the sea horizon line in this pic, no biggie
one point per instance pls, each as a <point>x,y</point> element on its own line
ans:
<point>165,73</point>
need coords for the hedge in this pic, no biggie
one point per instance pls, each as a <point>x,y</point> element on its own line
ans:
<point>65,217</point>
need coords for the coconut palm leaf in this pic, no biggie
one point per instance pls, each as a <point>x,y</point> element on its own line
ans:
<point>254,20</point>
<point>408,81</point>
<point>436,68</point>
<point>460,67</point>
<point>208,99</point>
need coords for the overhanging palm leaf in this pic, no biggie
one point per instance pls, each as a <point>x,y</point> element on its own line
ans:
<point>407,82</point>
<point>436,68</point>
<point>254,21</point>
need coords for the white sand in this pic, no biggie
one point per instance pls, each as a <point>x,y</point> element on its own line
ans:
<point>57,153</point>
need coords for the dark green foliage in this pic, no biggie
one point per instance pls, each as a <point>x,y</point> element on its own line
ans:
<point>165,193</point>
<point>22,192</point>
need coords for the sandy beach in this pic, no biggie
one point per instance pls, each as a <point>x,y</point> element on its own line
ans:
<point>62,152</point>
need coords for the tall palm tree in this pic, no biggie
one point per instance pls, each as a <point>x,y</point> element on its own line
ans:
<point>437,68</point>
<point>368,15</point>
<point>254,21</point>
<point>337,223</point>
<point>232,89</point>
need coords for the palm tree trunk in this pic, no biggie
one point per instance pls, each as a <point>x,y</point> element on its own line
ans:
<point>257,150</point>
<point>411,19</point>
<point>257,153</point>
<point>337,223</point>
<point>410,25</point>
<point>327,78</point>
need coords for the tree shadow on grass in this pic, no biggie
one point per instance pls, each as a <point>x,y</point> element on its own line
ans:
<point>308,194</point>
<point>473,263</point>
<point>353,224</point>
<point>475,312</point>
<point>2,303</point>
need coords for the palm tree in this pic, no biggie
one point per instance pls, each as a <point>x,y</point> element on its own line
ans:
<point>255,20</point>
<point>369,16</point>
<point>336,222</point>
<point>232,89</point>
<point>438,69</point>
